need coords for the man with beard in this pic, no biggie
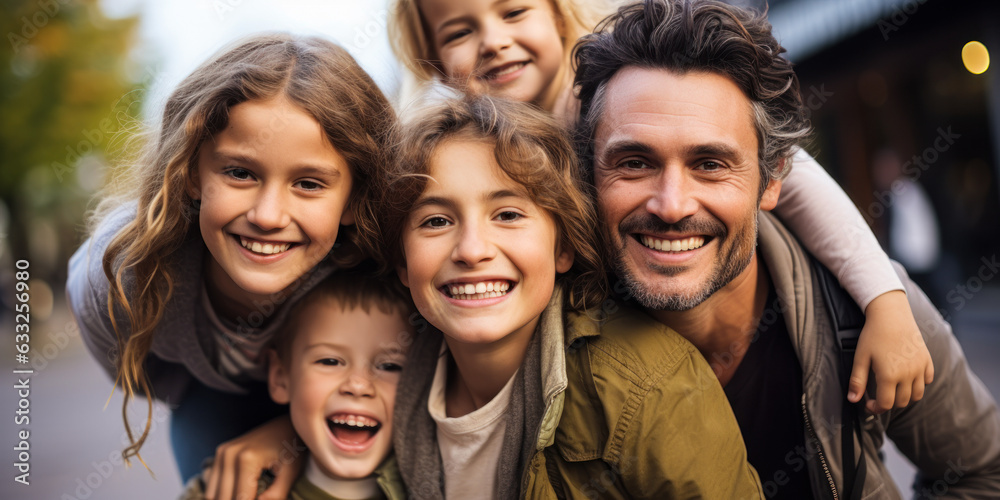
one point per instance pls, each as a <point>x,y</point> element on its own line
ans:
<point>688,119</point>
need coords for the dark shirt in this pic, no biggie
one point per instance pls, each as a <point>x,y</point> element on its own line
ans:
<point>766,395</point>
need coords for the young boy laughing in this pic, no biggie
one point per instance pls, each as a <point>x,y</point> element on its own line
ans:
<point>337,365</point>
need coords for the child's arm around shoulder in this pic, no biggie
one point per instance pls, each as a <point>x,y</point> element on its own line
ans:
<point>240,463</point>
<point>827,223</point>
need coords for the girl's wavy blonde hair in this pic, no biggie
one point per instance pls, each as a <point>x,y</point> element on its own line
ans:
<point>313,73</point>
<point>413,46</point>
<point>532,149</point>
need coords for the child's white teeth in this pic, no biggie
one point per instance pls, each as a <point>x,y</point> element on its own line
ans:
<point>266,248</point>
<point>480,290</point>
<point>673,245</point>
<point>506,71</point>
<point>354,421</point>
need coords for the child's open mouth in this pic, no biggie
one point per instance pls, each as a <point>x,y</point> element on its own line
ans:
<point>351,429</point>
<point>264,248</point>
<point>477,290</point>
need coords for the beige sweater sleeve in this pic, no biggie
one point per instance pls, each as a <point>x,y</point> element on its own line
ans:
<point>828,224</point>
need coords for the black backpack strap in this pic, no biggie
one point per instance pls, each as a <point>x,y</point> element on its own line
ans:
<point>847,320</point>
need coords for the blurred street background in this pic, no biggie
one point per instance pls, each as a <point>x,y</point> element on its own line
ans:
<point>905,104</point>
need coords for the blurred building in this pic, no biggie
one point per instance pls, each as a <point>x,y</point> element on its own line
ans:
<point>882,75</point>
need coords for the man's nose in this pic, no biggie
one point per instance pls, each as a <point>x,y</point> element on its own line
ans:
<point>672,198</point>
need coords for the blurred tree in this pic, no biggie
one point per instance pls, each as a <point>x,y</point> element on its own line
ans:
<point>68,92</point>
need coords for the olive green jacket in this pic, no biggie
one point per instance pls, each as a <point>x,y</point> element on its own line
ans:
<point>642,416</point>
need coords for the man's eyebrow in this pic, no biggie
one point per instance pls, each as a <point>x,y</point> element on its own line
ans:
<point>719,149</point>
<point>616,148</point>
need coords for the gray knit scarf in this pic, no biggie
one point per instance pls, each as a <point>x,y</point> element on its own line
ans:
<point>415,431</point>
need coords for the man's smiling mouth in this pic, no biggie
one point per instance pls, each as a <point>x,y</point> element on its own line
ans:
<point>681,245</point>
<point>477,290</point>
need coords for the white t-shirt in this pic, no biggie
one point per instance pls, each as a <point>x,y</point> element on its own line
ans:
<point>470,445</point>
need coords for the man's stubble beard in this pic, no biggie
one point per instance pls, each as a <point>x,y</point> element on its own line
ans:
<point>728,265</point>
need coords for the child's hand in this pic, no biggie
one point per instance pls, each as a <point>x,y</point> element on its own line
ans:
<point>239,463</point>
<point>891,345</point>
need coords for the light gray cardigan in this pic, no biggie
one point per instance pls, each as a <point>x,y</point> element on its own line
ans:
<point>183,344</point>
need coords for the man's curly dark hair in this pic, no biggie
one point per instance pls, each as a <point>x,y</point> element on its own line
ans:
<point>702,35</point>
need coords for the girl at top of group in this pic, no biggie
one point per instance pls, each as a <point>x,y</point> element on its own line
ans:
<point>256,186</point>
<point>487,223</point>
<point>520,49</point>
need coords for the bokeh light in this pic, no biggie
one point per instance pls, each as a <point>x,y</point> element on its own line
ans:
<point>975,57</point>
